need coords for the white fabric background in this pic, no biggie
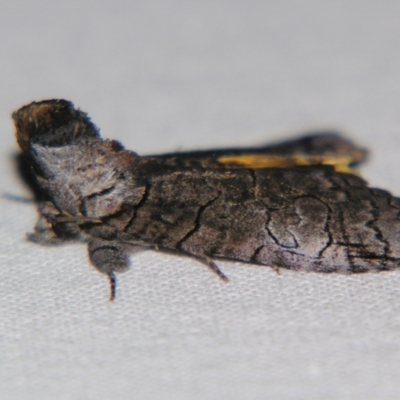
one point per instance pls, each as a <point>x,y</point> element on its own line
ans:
<point>167,75</point>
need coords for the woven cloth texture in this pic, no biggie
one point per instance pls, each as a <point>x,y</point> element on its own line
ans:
<point>170,75</point>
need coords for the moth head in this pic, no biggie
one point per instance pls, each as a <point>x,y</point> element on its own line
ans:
<point>80,173</point>
<point>91,178</point>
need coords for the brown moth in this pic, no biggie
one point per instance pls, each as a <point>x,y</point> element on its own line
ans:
<point>296,205</point>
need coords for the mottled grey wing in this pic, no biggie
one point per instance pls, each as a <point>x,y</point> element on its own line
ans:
<point>315,148</point>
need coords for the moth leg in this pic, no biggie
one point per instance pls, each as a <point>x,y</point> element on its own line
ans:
<point>109,257</point>
<point>43,231</point>
<point>278,264</point>
<point>277,268</point>
<point>51,229</point>
<point>44,238</point>
<point>214,267</point>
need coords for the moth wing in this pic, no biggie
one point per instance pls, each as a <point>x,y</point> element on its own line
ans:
<point>320,148</point>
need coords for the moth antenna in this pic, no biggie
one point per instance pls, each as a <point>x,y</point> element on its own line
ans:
<point>113,285</point>
<point>214,267</point>
<point>16,198</point>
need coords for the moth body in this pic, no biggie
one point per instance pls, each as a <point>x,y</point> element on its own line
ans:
<point>284,206</point>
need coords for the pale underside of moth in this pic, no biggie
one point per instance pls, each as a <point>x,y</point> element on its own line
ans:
<point>296,205</point>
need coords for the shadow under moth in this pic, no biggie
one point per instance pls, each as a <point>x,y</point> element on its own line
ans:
<point>296,205</point>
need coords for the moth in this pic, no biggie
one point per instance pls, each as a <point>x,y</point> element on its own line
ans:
<point>297,205</point>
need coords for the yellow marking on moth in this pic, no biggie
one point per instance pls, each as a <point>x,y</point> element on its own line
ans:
<point>341,163</point>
